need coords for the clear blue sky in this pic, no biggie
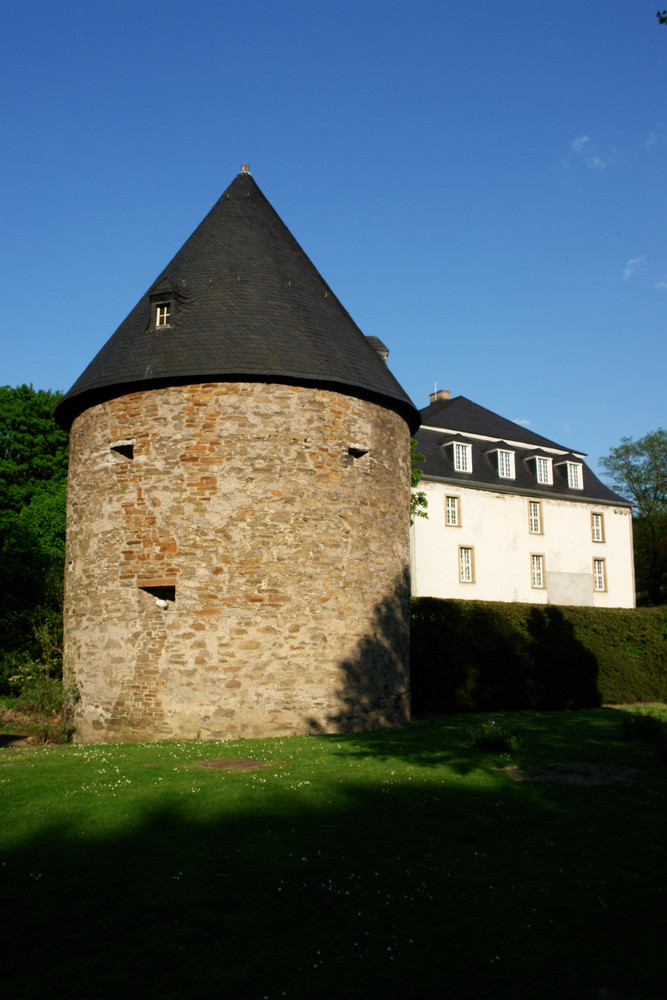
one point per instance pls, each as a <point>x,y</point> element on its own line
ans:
<point>484,186</point>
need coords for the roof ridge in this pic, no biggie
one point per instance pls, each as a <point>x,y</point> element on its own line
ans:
<point>474,415</point>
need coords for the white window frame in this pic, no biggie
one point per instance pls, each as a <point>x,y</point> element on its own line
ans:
<point>599,575</point>
<point>506,468</point>
<point>466,564</point>
<point>544,470</point>
<point>452,511</point>
<point>162,315</point>
<point>462,457</point>
<point>537,571</point>
<point>575,475</point>
<point>535,517</point>
<point>597,526</point>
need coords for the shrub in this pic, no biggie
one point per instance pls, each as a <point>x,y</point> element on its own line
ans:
<point>479,656</point>
<point>41,705</point>
<point>493,736</point>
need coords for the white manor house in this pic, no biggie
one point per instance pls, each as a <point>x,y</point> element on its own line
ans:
<point>513,516</point>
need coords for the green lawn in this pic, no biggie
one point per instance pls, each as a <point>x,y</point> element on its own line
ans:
<point>393,864</point>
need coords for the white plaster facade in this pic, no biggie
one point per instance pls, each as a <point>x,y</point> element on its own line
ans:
<point>495,526</point>
<point>486,542</point>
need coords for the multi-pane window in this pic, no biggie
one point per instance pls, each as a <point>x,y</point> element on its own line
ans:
<point>599,575</point>
<point>162,313</point>
<point>543,470</point>
<point>465,564</point>
<point>575,478</point>
<point>506,464</point>
<point>462,457</point>
<point>537,571</point>
<point>597,527</point>
<point>535,517</point>
<point>452,510</point>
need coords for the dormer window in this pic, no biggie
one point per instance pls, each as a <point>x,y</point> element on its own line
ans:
<point>575,479</point>
<point>543,468</point>
<point>166,301</point>
<point>459,453</point>
<point>504,460</point>
<point>162,314</point>
<point>543,471</point>
<point>506,464</point>
<point>572,473</point>
<point>462,457</point>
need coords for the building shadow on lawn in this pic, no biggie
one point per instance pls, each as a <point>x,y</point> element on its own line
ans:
<point>392,890</point>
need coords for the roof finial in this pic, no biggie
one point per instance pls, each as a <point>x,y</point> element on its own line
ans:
<point>245,169</point>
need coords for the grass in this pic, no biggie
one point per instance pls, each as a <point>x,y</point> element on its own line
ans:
<point>644,727</point>
<point>403,863</point>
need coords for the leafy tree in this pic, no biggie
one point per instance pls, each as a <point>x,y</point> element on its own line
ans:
<point>638,471</point>
<point>33,484</point>
<point>418,500</point>
<point>661,16</point>
<point>33,449</point>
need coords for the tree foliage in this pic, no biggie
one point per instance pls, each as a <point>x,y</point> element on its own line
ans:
<point>638,472</point>
<point>33,486</point>
<point>418,500</point>
<point>33,449</point>
<point>661,16</point>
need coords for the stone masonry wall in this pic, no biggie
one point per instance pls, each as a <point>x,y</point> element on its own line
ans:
<point>237,564</point>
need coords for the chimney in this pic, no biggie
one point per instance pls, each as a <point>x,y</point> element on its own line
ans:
<point>439,394</point>
<point>245,168</point>
<point>380,349</point>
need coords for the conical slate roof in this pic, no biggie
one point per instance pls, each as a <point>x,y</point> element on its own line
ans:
<point>245,302</point>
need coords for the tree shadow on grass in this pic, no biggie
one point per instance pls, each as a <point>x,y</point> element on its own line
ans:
<point>391,889</point>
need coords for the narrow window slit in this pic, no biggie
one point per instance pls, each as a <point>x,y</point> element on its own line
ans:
<point>127,450</point>
<point>357,452</point>
<point>161,593</point>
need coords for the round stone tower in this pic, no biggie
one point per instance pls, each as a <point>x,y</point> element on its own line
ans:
<point>238,508</point>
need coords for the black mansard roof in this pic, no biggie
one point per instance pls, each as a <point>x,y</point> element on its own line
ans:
<point>448,421</point>
<point>244,302</point>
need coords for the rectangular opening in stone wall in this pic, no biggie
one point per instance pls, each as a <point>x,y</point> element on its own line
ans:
<point>161,593</point>
<point>126,449</point>
<point>357,451</point>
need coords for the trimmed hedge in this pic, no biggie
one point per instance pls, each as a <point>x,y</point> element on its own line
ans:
<point>470,656</point>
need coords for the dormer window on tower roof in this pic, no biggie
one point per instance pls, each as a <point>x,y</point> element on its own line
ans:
<point>162,314</point>
<point>163,300</point>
